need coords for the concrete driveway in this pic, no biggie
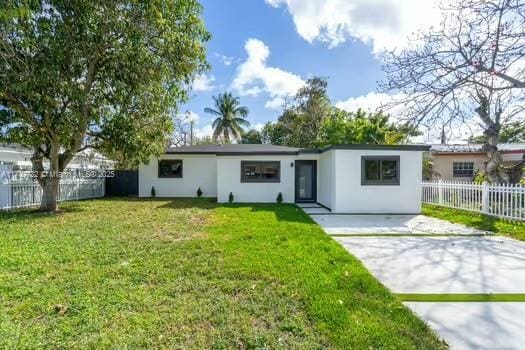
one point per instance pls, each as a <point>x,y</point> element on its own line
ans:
<point>443,265</point>
<point>408,262</point>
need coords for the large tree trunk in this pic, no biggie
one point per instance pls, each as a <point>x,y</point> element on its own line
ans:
<point>494,165</point>
<point>48,179</point>
<point>50,189</point>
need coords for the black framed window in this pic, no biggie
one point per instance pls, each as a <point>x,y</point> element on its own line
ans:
<point>170,168</point>
<point>260,171</point>
<point>380,170</point>
<point>463,169</point>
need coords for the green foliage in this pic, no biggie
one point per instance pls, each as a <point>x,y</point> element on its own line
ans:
<point>230,197</point>
<point>199,192</point>
<point>299,123</point>
<point>428,168</point>
<point>363,127</point>
<point>231,117</point>
<point>480,177</point>
<point>251,136</point>
<point>190,274</point>
<point>153,191</point>
<point>311,121</point>
<point>509,133</point>
<point>280,198</point>
<point>101,74</point>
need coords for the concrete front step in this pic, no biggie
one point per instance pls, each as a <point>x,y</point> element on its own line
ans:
<point>316,210</point>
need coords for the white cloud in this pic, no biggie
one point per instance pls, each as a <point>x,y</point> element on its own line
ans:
<point>258,126</point>
<point>457,132</point>
<point>254,77</point>
<point>226,60</point>
<point>385,24</point>
<point>275,103</point>
<point>371,102</point>
<point>192,116</point>
<point>203,83</point>
<point>189,116</point>
<point>205,131</point>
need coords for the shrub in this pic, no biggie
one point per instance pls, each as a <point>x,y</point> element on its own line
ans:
<point>280,198</point>
<point>480,177</point>
<point>230,198</point>
<point>153,192</point>
<point>199,192</point>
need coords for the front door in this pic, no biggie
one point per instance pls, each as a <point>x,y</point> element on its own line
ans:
<point>305,181</point>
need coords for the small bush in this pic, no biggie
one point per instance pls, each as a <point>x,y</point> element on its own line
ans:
<point>480,177</point>
<point>230,198</point>
<point>199,193</point>
<point>153,192</point>
<point>280,198</point>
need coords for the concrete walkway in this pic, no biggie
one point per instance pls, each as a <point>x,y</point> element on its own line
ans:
<point>442,265</point>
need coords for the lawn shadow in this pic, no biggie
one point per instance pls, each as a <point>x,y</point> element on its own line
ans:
<point>283,212</point>
<point>32,213</point>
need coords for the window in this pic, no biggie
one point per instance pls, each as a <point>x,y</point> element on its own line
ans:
<point>463,169</point>
<point>380,170</point>
<point>258,171</point>
<point>170,168</point>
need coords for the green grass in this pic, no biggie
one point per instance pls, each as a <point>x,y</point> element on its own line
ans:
<point>125,273</point>
<point>461,297</point>
<point>482,222</point>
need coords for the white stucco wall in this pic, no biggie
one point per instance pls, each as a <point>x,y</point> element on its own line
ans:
<point>197,171</point>
<point>229,180</point>
<point>325,179</point>
<point>352,197</point>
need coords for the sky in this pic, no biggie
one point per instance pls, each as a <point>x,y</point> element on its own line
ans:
<point>264,50</point>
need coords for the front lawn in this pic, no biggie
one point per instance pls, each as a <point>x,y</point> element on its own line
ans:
<point>482,222</point>
<point>128,273</point>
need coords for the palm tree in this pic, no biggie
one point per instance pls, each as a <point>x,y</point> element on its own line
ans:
<point>231,118</point>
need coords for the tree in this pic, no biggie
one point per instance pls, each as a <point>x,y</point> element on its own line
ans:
<point>301,119</point>
<point>251,137</point>
<point>310,121</point>
<point>231,117</point>
<point>183,127</point>
<point>471,66</point>
<point>510,133</point>
<point>362,127</point>
<point>204,140</point>
<point>93,73</point>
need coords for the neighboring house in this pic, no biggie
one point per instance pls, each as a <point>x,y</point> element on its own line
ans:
<point>343,178</point>
<point>16,158</point>
<point>462,162</point>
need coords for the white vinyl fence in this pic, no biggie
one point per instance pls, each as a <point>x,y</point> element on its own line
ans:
<point>501,200</point>
<point>19,189</point>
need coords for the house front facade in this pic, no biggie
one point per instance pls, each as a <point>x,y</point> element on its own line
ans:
<point>343,178</point>
<point>463,162</point>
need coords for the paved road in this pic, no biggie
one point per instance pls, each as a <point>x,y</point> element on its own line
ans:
<point>442,265</point>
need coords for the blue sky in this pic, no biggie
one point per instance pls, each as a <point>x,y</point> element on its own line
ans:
<point>263,50</point>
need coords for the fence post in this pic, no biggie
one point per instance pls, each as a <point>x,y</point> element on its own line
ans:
<point>485,197</point>
<point>440,192</point>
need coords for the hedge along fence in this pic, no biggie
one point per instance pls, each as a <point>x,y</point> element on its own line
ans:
<point>505,201</point>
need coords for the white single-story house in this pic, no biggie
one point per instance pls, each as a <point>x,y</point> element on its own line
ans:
<point>343,178</point>
<point>17,158</point>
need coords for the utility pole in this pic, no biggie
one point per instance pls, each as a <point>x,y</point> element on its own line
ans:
<point>443,136</point>
<point>192,122</point>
